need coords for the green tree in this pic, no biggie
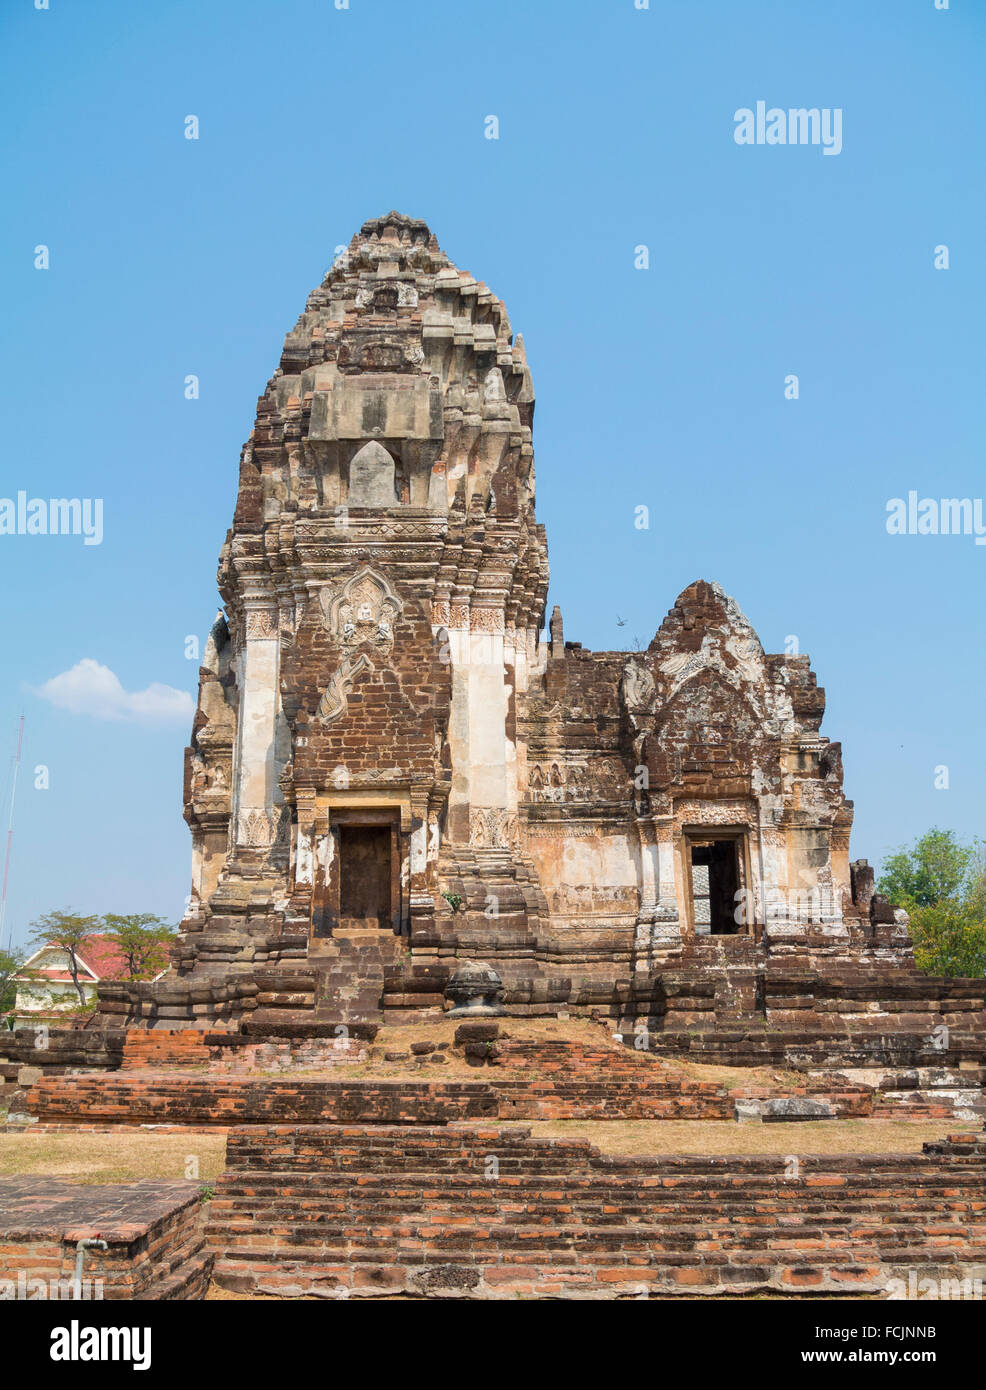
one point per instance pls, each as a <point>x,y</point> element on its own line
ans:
<point>949,939</point>
<point>142,939</point>
<point>10,964</point>
<point>976,893</point>
<point>942,884</point>
<point>70,931</point>
<point>937,868</point>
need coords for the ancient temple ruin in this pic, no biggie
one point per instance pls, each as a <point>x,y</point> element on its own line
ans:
<point>392,767</point>
<point>410,807</point>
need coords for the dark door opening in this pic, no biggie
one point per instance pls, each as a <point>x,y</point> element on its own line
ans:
<point>715,881</point>
<point>365,876</point>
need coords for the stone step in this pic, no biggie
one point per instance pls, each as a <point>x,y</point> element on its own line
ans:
<point>314,1154</point>
<point>651,1248</point>
<point>189,1281</point>
<point>351,970</point>
<point>947,1206</point>
<point>406,1188</point>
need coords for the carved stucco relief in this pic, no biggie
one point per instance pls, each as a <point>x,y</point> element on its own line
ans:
<point>261,623</point>
<point>361,612</point>
<point>492,828</point>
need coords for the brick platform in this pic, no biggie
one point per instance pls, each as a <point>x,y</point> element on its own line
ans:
<point>487,1213</point>
<point>178,1097</point>
<point>213,1079</point>
<point>185,1047</point>
<point>153,1231</point>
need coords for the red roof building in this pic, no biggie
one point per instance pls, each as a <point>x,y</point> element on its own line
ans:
<point>44,982</point>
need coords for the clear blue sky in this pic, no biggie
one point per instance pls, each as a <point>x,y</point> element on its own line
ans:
<point>661,387</point>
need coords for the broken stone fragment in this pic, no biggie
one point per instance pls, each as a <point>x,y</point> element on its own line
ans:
<point>777,1108</point>
<point>881,910</point>
<point>476,1032</point>
<point>748,1112</point>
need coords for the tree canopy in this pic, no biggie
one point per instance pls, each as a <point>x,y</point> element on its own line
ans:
<point>142,939</point>
<point>941,882</point>
<point>70,931</point>
<point>10,964</point>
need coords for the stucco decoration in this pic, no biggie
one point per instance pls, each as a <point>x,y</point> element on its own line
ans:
<point>362,610</point>
<point>491,828</point>
<point>334,701</point>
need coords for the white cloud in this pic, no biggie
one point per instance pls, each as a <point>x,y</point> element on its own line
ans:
<point>89,688</point>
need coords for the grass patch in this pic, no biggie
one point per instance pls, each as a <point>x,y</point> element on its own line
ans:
<point>722,1137</point>
<point>111,1157</point>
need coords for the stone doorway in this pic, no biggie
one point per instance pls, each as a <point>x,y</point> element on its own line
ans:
<point>715,881</point>
<point>365,873</point>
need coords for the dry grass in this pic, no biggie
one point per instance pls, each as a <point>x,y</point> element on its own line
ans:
<point>774,1078</point>
<point>115,1156</point>
<point>396,1036</point>
<point>715,1137</point>
<point>108,1156</point>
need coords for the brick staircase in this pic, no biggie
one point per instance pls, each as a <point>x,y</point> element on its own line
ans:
<point>738,991</point>
<point>350,969</point>
<point>333,1211</point>
<point>932,1094</point>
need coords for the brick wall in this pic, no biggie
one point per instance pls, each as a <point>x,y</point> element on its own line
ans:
<point>487,1213</point>
<point>191,1098</point>
<point>179,1048</point>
